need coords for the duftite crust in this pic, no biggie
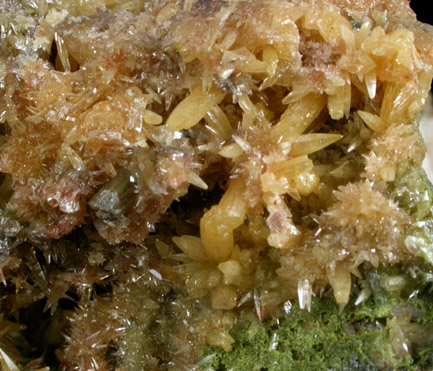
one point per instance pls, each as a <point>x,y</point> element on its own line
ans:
<point>215,185</point>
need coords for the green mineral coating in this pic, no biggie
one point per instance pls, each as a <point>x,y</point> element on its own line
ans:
<point>413,192</point>
<point>356,338</point>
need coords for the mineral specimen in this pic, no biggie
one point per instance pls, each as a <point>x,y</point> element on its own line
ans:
<point>180,178</point>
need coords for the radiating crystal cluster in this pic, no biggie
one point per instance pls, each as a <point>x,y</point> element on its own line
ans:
<point>169,166</point>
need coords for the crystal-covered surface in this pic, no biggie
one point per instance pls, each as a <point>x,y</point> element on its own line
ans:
<point>176,175</point>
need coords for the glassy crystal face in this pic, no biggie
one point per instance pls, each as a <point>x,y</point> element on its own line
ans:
<point>176,176</point>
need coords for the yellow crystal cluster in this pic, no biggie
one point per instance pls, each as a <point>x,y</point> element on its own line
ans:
<point>173,93</point>
<point>286,120</point>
